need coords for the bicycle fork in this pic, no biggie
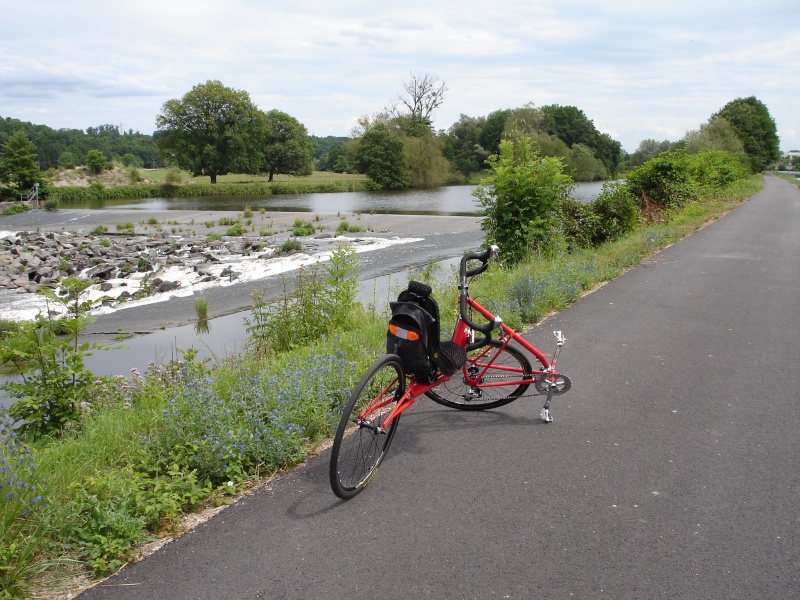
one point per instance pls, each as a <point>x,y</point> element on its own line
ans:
<point>552,386</point>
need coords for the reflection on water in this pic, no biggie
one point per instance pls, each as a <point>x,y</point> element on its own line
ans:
<point>447,200</point>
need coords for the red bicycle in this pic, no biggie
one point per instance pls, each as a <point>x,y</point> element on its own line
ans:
<point>472,371</point>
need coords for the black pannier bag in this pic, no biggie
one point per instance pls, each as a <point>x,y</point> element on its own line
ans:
<point>414,335</point>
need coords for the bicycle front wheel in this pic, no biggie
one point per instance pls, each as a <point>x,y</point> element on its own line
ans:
<point>486,381</point>
<point>361,440</point>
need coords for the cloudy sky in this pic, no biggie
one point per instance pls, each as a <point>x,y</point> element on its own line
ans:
<point>638,69</point>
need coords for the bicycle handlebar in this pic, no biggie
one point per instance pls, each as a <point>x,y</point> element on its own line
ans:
<point>491,252</point>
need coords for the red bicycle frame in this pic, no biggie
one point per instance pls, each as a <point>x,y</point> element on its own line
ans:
<point>462,336</point>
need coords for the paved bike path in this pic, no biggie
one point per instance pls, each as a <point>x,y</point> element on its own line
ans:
<point>671,471</point>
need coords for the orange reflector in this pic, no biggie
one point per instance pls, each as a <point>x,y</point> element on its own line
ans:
<point>405,334</point>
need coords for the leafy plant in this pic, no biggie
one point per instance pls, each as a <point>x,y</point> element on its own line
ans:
<point>321,304</point>
<point>288,247</point>
<point>20,535</point>
<point>519,196</point>
<point>48,356</point>
<point>236,229</point>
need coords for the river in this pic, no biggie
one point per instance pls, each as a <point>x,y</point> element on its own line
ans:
<point>227,333</point>
<point>442,201</point>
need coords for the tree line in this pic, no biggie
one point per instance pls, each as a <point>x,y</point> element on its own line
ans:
<point>214,130</point>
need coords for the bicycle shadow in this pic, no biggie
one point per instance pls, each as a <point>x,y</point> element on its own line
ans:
<point>418,426</point>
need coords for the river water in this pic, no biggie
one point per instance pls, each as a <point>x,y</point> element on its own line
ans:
<point>226,334</point>
<point>447,200</point>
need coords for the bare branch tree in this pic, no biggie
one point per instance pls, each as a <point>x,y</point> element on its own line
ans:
<point>424,94</point>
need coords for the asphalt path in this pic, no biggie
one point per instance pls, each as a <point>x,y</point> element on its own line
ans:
<point>671,470</point>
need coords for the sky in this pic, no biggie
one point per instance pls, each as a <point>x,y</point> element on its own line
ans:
<point>638,69</point>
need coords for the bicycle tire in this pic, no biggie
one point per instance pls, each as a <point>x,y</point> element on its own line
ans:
<point>459,394</point>
<point>359,448</point>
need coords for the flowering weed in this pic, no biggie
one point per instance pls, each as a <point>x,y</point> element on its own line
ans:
<point>20,536</point>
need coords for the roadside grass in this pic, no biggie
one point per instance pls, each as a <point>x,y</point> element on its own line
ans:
<point>189,435</point>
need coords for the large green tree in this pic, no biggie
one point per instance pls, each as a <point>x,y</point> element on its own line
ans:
<point>381,156</point>
<point>464,148</point>
<point>755,127</point>
<point>285,146</point>
<point>212,130</point>
<point>19,169</point>
<point>572,126</point>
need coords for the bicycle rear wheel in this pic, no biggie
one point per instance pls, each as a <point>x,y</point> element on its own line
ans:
<point>470,390</point>
<point>361,441</point>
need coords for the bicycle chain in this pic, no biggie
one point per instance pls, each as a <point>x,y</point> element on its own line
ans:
<point>534,381</point>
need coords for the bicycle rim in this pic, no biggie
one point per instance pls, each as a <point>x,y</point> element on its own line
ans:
<point>361,441</point>
<point>464,392</point>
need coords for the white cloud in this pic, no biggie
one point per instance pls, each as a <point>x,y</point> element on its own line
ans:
<point>637,69</point>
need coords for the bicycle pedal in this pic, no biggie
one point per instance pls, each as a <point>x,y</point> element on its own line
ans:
<point>544,415</point>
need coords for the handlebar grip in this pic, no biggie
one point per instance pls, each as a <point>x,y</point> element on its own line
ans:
<point>481,256</point>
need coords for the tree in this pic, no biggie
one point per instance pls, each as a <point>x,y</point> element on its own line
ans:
<point>492,131</point>
<point>18,166</point>
<point>716,135</point>
<point>381,155</point>
<point>520,196</point>
<point>465,150</point>
<point>212,130</point>
<point>427,167</point>
<point>285,145</point>
<point>424,94</point>
<point>95,161</point>
<point>756,129</point>
<point>649,149</point>
<point>572,126</point>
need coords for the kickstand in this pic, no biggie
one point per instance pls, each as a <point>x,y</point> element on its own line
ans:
<point>544,414</point>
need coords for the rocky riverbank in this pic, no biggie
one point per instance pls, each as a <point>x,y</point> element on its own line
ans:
<point>129,268</point>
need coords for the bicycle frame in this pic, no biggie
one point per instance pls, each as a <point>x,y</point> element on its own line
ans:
<point>463,336</point>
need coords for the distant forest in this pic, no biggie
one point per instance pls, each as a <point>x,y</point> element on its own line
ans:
<point>59,148</point>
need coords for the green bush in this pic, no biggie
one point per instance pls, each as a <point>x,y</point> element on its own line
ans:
<point>236,229</point>
<point>577,222</point>
<point>288,247</point>
<point>713,170</point>
<point>664,182</point>
<point>616,212</point>
<point>16,208</point>
<point>519,198</point>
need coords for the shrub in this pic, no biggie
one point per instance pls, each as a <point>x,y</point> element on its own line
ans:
<point>95,161</point>
<point>616,212</point>
<point>577,222</point>
<point>519,197</point>
<point>321,303</point>
<point>237,229</point>
<point>173,177</point>
<point>302,228</point>
<point>51,361</point>
<point>16,208</point>
<point>713,170</point>
<point>288,247</point>
<point>664,182</point>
